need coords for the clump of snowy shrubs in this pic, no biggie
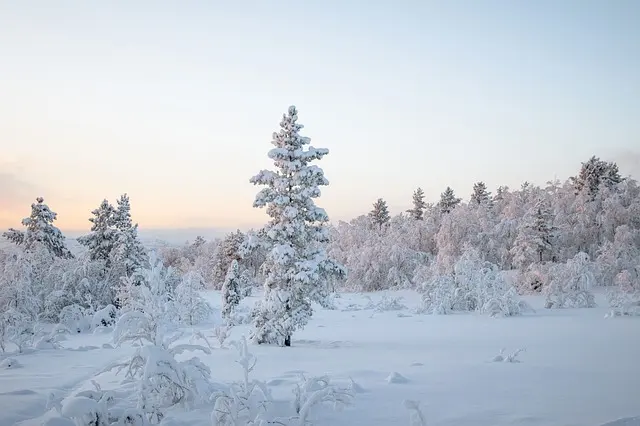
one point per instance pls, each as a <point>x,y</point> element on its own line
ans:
<point>475,286</point>
<point>250,402</point>
<point>18,329</point>
<point>512,357</point>
<point>624,299</point>
<point>162,380</point>
<point>386,303</point>
<point>571,283</point>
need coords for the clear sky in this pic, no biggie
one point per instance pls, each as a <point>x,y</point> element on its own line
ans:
<point>175,102</point>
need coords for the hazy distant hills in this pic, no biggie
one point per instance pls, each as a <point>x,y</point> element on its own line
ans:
<point>151,238</point>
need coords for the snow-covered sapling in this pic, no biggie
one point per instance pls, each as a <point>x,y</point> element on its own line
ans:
<point>232,291</point>
<point>245,401</point>
<point>416,417</point>
<point>222,334</point>
<point>316,391</point>
<point>191,307</point>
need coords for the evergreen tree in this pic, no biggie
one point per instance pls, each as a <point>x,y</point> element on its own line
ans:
<point>480,194</point>
<point>128,252</point>
<point>417,212</point>
<point>594,173</point>
<point>448,201</point>
<point>198,242</point>
<point>190,306</point>
<point>103,237</point>
<point>380,213</point>
<point>297,265</point>
<point>40,230</point>
<point>500,193</point>
<point>535,236</point>
<point>232,290</point>
<point>226,252</point>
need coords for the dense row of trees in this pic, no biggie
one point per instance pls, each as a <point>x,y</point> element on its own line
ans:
<point>559,239</point>
<point>534,233</point>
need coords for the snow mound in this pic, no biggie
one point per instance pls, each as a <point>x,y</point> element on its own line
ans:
<point>9,363</point>
<point>58,421</point>
<point>107,346</point>
<point>628,421</point>
<point>397,378</point>
<point>79,406</point>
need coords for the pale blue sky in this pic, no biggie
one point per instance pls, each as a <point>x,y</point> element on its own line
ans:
<point>175,102</point>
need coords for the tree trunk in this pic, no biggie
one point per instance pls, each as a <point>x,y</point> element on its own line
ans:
<point>287,341</point>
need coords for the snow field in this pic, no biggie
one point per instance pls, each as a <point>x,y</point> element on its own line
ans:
<point>578,368</point>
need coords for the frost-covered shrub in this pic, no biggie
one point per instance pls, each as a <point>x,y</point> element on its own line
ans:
<point>222,334</point>
<point>624,299</point>
<point>534,279</point>
<point>476,285</point>
<point>245,401</point>
<point>87,408</point>
<point>386,303</point>
<point>314,391</point>
<point>249,402</point>
<point>105,317</point>
<point>74,317</point>
<point>191,307</point>
<point>19,329</point>
<point>571,284</point>
<point>163,382</point>
<point>416,417</point>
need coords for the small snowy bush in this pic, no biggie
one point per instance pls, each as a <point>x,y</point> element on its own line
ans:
<point>74,317</point>
<point>416,416</point>
<point>18,329</point>
<point>190,306</point>
<point>244,402</point>
<point>386,303</point>
<point>571,284</point>
<point>162,381</point>
<point>624,299</point>
<point>248,402</point>
<point>221,333</point>
<point>105,317</point>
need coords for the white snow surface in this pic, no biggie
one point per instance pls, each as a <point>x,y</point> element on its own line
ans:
<point>578,368</point>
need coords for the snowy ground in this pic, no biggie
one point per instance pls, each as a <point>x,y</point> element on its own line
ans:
<point>578,368</point>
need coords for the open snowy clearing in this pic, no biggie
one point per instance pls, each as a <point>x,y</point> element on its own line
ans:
<point>577,368</point>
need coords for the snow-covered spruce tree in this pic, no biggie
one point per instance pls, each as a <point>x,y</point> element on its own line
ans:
<point>417,212</point>
<point>40,230</point>
<point>448,201</point>
<point>480,194</point>
<point>297,265</point>
<point>128,255</point>
<point>191,307</point>
<point>227,251</point>
<point>380,214</point>
<point>534,241</point>
<point>103,237</point>
<point>233,290</point>
<point>594,173</point>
